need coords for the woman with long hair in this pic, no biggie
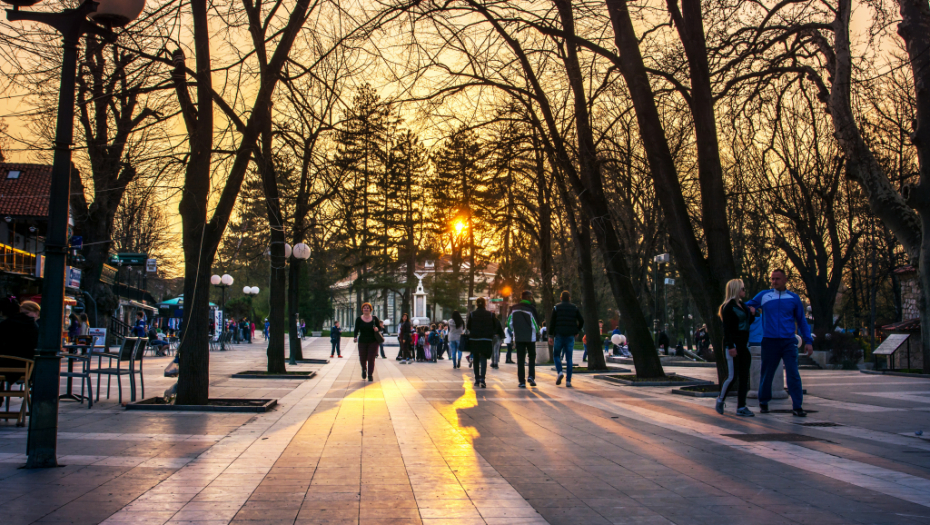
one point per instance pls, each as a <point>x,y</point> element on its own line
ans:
<point>405,338</point>
<point>366,326</point>
<point>456,327</point>
<point>736,319</point>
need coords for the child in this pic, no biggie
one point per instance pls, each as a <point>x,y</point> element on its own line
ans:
<point>435,343</point>
<point>421,344</point>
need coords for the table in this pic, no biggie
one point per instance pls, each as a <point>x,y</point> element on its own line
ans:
<point>78,352</point>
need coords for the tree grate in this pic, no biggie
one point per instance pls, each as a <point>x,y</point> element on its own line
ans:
<point>821,424</point>
<point>788,411</point>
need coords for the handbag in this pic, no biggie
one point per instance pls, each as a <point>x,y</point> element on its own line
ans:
<point>463,343</point>
<point>378,336</point>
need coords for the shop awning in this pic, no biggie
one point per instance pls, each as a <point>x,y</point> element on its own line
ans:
<point>70,301</point>
<point>137,304</point>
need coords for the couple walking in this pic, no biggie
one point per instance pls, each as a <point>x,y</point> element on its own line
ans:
<point>782,315</point>
<point>565,322</point>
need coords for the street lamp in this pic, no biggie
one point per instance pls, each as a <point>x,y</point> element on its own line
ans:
<point>42,444</point>
<point>251,291</point>
<point>301,252</point>
<point>222,283</point>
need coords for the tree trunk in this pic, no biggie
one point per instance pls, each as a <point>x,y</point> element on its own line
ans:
<point>545,236</point>
<point>194,349</point>
<point>642,346</point>
<point>293,306</point>
<point>582,235</point>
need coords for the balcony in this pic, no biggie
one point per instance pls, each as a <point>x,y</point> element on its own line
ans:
<point>14,260</point>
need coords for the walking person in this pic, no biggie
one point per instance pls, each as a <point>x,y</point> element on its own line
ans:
<point>456,327</point>
<point>405,338</point>
<point>565,323</point>
<point>523,322</point>
<point>381,346</point>
<point>483,327</point>
<point>366,326</point>
<point>736,319</point>
<point>782,318</point>
<point>335,339</point>
<point>508,340</point>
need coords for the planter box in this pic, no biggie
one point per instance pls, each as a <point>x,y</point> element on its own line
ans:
<point>665,360</point>
<point>313,361</point>
<point>316,334</point>
<point>895,373</point>
<point>258,374</point>
<point>671,380</point>
<point>214,405</point>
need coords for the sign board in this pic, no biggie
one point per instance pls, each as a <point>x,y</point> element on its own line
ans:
<point>890,344</point>
<point>218,322</point>
<point>100,337</point>
<point>129,259</point>
<point>669,281</point>
<point>151,265</point>
<point>77,242</point>
<point>661,258</point>
<point>73,277</point>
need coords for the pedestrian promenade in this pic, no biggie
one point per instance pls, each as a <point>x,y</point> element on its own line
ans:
<point>420,444</point>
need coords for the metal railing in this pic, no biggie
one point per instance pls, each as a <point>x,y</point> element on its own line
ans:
<point>16,260</point>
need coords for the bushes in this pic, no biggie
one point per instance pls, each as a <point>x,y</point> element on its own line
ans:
<point>844,349</point>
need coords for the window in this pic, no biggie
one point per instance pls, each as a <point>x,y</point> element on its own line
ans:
<point>13,174</point>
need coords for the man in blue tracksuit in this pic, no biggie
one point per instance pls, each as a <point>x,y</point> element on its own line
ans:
<point>782,317</point>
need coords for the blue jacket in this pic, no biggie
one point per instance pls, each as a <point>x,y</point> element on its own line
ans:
<point>782,315</point>
<point>335,334</point>
<point>755,332</point>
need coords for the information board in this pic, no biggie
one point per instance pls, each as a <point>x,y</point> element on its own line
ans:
<point>890,344</point>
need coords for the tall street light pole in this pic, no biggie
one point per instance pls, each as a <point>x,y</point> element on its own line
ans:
<point>300,252</point>
<point>251,291</point>
<point>42,441</point>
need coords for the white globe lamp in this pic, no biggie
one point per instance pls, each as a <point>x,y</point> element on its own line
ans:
<point>301,251</point>
<point>287,250</point>
<point>227,279</point>
<point>117,13</point>
<point>215,280</point>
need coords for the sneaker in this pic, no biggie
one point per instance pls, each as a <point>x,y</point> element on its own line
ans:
<point>568,384</point>
<point>522,385</point>
<point>559,380</point>
<point>509,362</point>
<point>744,412</point>
<point>469,363</point>
<point>483,385</point>
<point>719,407</point>
<point>532,382</point>
<point>364,374</point>
<point>763,409</point>
<point>476,382</point>
<point>494,366</point>
<point>799,412</point>
<point>370,379</point>
<point>332,356</point>
<point>340,357</point>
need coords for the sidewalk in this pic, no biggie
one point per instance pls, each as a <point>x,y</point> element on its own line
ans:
<point>421,445</point>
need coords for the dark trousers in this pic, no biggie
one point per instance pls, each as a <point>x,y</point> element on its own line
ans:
<point>381,345</point>
<point>738,368</point>
<point>367,352</point>
<point>509,350</point>
<point>773,351</point>
<point>336,350</point>
<point>524,350</point>
<point>406,350</point>
<point>481,367</point>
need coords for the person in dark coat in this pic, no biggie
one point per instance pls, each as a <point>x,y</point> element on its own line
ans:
<point>482,326</point>
<point>335,339</point>
<point>565,322</point>
<point>20,335</point>
<point>405,338</point>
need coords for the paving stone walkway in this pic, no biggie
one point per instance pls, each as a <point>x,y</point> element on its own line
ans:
<point>420,444</point>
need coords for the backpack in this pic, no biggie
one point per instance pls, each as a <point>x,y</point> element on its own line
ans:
<point>434,338</point>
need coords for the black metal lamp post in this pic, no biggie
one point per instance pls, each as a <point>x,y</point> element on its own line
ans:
<point>222,283</point>
<point>251,291</point>
<point>42,444</point>
<point>300,252</point>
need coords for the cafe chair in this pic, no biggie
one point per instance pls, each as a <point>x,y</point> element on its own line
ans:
<point>7,388</point>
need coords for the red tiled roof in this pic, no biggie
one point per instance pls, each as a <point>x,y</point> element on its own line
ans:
<point>26,196</point>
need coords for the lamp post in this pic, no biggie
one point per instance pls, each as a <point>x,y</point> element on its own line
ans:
<point>300,252</point>
<point>222,283</point>
<point>42,444</point>
<point>658,259</point>
<point>251,291</point>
